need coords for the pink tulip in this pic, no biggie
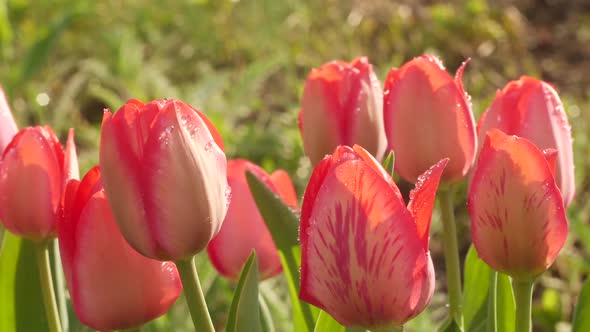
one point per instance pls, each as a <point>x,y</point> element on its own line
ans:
<point>165,177</point>
<point>531,109</point>
<point>33,173</point>
<point>518,221</point>
<point>112,287</point>
<point>7,125</point>
<point>342,105</point>
<point>243,228</point>
<point>365,257</point>
<point>427,118</point>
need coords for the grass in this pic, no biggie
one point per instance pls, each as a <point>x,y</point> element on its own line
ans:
<point>244,62</point>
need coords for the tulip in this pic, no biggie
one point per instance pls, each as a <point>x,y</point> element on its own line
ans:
<point>7,125</point>
<point>531,109</point>
<point>518,221</point>
<point>164,173</point>
<point>243,228</point>
<point>342,104</point>
<point>365,257</point>
<point>33,172</point>
<point>112,287</point>
<point>428,117</point>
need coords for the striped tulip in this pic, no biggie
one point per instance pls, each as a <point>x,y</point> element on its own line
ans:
<point>518,221</point>
<point>164,172</point>
<point>243,228</point>
<point>112,287</point>
<point>427,118</point>
<point>33,172</point>
<point>342,104</point>
<point>531,108</point>
<point>365,257</point>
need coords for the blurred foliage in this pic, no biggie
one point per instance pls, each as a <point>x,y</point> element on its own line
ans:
<point>244,63</point>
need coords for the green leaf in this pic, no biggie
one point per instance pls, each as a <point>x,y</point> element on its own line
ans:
<point>21,303</point>
<point>389,163</point>
<point>39,52</point>
<point>244,313</point>
<point>475,293</point>
<point>326,323</point>
<point>450,326</point>
<point>581,321</point>
<point>283,225</point>
<point>476,296</point>
<point>265,315</point>
<point>505,305</point>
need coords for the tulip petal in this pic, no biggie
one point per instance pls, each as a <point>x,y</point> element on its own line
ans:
<point>71,169</point>
<point>66,228</point>
<point>120,177</point>
<point>551,157</point>
<point>243,228</point>
<point>518,219</point>
<point>361,258</point>
<point>421,93</point>
<point>531,109</point>
<point>30,172</point>
<point>8,127</point>
<point>284,186</point>
<point>212,130</point>
<point>182,158</point>
<point>101,287</point>
<point>422,199</point>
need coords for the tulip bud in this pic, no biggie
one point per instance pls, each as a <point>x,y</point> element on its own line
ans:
<point>33,172</point>
<point>427,118</point>
<point>112,287</point>
<point>342,104</point>
<point>243,228</point>
<point>518,221</point>
<point>7,125</point>
<point>531,109</point>
<point>165,177</point>
<point>365,256</point>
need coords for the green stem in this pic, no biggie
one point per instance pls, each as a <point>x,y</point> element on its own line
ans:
<point>451,251</point>
<point>194,295</point>
<point>523,296</point>
<point>492,296</point>
<point>60,286</point>
<point>305,308</point>
<point>42,254</point>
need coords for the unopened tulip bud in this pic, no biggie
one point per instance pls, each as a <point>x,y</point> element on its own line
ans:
<point>342,104</point>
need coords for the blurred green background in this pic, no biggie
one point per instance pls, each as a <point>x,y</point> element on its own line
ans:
<point>244,63</point>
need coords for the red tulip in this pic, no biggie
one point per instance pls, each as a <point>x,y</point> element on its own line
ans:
<point>428,117</point>
<point>7,125</point>
<point>342,105</point>
<point>365,256</point>
<point>243,228</point>
<point>165,177</point>
<point>33,172</point>
<point>111,285</point>
<point>531,109</point>
<point>518,221</point>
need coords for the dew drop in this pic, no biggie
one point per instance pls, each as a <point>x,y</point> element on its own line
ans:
<point>227,195</point>
<point>209,146</point>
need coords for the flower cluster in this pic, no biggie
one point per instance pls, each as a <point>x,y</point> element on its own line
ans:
<point>164,191</point>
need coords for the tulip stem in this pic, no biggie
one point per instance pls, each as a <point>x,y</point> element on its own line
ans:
<point>451,251</point>
<point>60,286</point>
<point>492,299</point>
<point>523,296</point>
<point>194,295</point>
<point>42,254</point>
